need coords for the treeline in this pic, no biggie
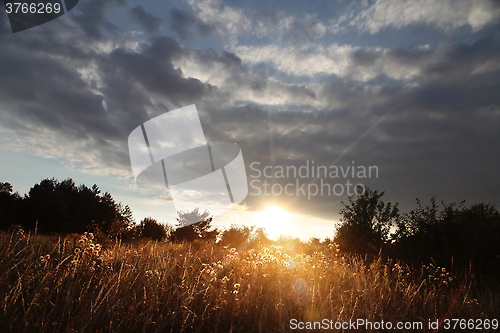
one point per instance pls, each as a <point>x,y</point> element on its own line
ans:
<point>54,206</point>
<point>61,207</point>
<point>448,235</point>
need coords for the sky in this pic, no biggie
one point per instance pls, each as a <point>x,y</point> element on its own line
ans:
<point>404,93</point>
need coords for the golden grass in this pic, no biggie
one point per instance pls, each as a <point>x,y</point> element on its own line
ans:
<point>50,284</point>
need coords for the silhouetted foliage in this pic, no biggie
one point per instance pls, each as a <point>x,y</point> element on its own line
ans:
<point>243,237</point>
<point>194,225</point>
<point>8,205</point>
<point>315,245</point>
<point>453,235</point>
<point>62,207</point>
<point>365,223</point>
<point>151,229</point>
<point>236,236</point>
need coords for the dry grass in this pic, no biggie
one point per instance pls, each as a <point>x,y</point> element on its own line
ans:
<point>70,285</point>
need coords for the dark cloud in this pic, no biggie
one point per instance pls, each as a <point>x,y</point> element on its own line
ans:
<point>436,136</point>
<point>229,60</point>
<point>58,82</point>
<point>152,68</point>
<point>184,23</point>
<point>146,21</point>
<point>435,133</point>
<point>49,91</point>
<point>91,17</point>
<point>365,57</point>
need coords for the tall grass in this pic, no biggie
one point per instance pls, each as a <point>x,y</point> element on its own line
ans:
<point>71,284</point>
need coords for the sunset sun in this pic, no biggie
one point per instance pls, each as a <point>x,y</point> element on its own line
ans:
<point>275,220</point>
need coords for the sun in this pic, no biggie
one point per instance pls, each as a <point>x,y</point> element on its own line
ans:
<point>275,220</point>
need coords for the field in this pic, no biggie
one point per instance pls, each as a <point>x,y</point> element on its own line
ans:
<point>72,284</point>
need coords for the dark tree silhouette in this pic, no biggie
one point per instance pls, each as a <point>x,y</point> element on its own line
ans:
<point>8,205</point>
<point>62,207</point>
<point>193,225</point>
<point>236,236</point>
<point>243,237</point>
<point>467,237</point>
<point>150,228</point>
<point>365,224</point>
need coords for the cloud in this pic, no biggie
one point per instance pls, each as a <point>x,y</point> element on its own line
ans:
<point>67,93</point>
<point>232,23</point>
<point>183,23</point>
<point>152,67</point>
<point>146,21</point>
<point>305,59</point>
<point>445,14</point>
<point>91,16</point>
<point>449,111</point>
<point>74,91</point>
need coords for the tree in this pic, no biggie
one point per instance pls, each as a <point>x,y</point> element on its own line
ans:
<point>243,237</point>
<point>236,236</point>
<point>194,225</point>
<point>150,228</point>
<point>419,220</point>
<point>366,223</point>
<point>8,205</point>
<point>63,207</point>
<point>466,237</point>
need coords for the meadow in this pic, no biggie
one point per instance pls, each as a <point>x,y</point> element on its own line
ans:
<point>73,284</point>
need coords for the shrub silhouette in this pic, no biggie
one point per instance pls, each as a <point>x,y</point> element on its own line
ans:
<point>467,237</point>
<point>194,225</point>
<point>236,236</point>
<point>62,207</point>
<point>365,223</point>
<point>150,228</point>
<point>243,237</point>
<point>8,205</point>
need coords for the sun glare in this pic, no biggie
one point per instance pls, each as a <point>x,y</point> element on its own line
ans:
<point>275,220</point>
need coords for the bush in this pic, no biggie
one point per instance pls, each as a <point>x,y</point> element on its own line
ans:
<point>151,229</point>
<point>365,224</point>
